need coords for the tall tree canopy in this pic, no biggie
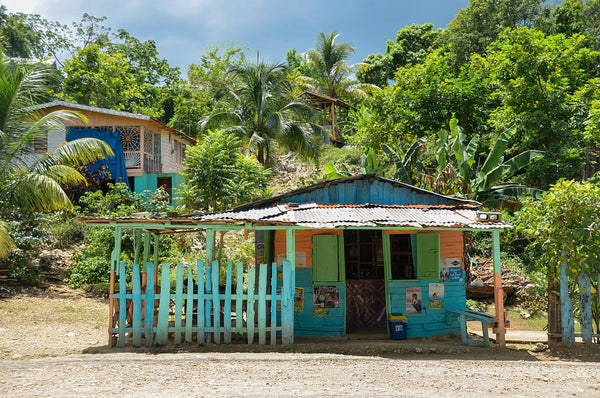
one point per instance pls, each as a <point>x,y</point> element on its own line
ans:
<point>413,43</point>
<point>263,110</point>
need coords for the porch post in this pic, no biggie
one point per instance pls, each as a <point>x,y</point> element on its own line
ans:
<point>209,246</point>
<point>287,305</point>
<point>114,261</point>
<point>146,254</point>
<point>116,255</point>
<point>498,291</point>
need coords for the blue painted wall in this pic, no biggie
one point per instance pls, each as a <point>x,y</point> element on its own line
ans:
<point>368,191</point>
<point>307,324</point>
<point>429,322</point>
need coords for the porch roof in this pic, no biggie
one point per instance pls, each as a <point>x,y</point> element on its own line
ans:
<point>319,215</point>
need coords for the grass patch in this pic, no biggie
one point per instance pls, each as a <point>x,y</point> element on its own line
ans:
<point>349,156</point>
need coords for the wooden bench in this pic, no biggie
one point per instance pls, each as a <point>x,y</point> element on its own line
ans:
<point>464,316</point>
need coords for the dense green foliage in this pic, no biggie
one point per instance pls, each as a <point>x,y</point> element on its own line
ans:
<point>218,176</point>
<point>564,223</point>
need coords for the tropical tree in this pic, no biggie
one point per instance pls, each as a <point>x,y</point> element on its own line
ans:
<point>262,110</point>
<point>28,184</point>
<point>330,73</point>
<point>413,43</point>
<point>457,174</point>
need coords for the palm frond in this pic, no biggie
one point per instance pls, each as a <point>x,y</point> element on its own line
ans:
<point>65,175</point>
<point>6,242</point>
<point>36,192</point>
<point>78,152</point>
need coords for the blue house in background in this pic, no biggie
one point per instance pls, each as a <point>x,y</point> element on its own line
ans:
<point>365,248</point>
<point>149,154</point>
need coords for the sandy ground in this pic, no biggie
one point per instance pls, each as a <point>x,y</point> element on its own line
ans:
<point>53,343</point>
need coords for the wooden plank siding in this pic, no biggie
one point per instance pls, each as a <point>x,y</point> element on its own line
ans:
<point>202,309</point>
<point>367,191</point>
<point>429,322</point>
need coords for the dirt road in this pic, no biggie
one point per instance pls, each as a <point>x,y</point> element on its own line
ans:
<point>288,374</point>
<point>53,343</point>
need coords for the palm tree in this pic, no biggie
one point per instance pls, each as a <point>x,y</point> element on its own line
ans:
<point>330,72</point>
<point>36,185</point>
<point>262,110</point>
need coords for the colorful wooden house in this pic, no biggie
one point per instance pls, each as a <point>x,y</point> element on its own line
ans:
<point>148,153</point>
<point>359,249</point>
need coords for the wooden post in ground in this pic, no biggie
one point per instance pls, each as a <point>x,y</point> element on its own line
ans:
<point>500,329</point>
<point>554,321</point>
<point>116,254</point>
<point>566,308</point>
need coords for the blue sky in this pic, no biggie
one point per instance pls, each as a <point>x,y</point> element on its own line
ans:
<point>182,29</point>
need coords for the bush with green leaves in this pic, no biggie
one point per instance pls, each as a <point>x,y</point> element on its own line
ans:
<point>118,201</point>
<point>27,233</point>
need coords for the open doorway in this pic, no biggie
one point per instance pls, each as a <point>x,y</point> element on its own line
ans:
<point>365,281</point>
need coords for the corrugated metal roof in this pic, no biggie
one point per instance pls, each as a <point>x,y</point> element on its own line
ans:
<point>313,215</point>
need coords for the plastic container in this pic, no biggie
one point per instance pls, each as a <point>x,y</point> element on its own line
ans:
<point>397,323</point>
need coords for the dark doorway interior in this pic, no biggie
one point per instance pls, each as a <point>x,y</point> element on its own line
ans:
<point>365,285</point>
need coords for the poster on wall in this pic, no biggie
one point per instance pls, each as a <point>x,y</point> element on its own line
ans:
<point>436,296</point>
<point>413,300</point>
<point>326,296</point>
<point>299,299</point>
<point>451,270</point>
<point>300,259</point>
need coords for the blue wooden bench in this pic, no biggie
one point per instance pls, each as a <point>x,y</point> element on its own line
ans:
<point>462,317</point>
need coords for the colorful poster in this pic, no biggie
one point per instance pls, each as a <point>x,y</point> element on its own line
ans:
<point>326,297</point>
<point>451,270</point>
<point>451,274</point>
<point>436,296</point>
<point>299,299</point>
<point>413,300</point>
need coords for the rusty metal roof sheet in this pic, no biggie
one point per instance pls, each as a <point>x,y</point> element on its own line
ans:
<point>313,215</point>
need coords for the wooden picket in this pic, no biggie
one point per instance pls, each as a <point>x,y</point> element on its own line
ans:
<point>143,309</point>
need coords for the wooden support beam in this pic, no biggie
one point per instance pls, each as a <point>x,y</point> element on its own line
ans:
<point>117,250</point>
<point>210,242</point>
<point>146,254</point>
<point>287,304</point>
<point>500,329</point>
<point>137,245</point>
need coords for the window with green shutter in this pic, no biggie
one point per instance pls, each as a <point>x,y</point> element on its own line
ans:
<point>428,256</point>
<point>325,258</point>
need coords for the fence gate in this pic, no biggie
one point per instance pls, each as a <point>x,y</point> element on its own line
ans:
<point>202,311</point>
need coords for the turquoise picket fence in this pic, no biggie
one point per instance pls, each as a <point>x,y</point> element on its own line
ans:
<point>202,311</point>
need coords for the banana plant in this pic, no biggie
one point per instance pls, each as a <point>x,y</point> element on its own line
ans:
<point>487,184</point>
<point>407,163</point>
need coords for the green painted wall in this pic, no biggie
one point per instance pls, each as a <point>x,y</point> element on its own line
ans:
<point>148,182</point>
